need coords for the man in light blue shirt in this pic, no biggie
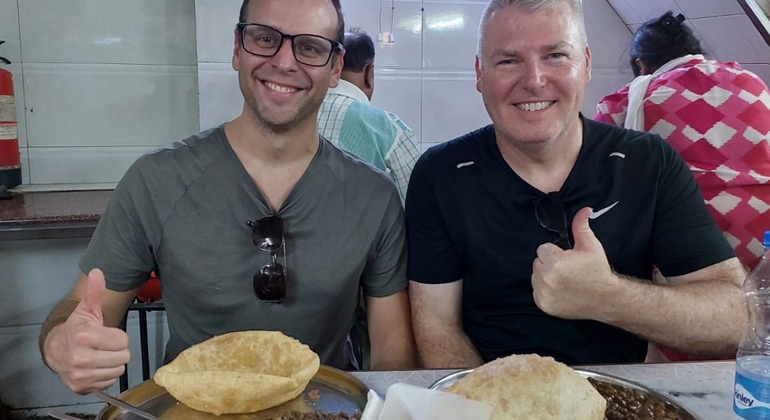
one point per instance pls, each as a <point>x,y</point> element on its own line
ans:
<point>349,121</point>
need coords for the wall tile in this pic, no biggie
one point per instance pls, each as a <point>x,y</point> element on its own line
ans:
<point>733,38</point>
<point>79,165</point>
<point>400,92</point>
<point>100,105</point>
<point>9,31</point>
<point>214,25</point>
<point>24,154</point>
<point>636,11</point>
<point>45,270</point>
<point>450,35</point>
<point>219,95</point>
<point>606,51</point>
<point>451,106</point>
<point>406,51</point>
<point>108,31</point>
<point>709,8</point>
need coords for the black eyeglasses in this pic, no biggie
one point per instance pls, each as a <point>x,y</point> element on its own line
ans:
<point>270,281</point>
<point>550,213</point>
<point>264,41</point>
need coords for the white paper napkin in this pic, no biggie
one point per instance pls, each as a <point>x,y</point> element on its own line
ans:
<point>409,402</point>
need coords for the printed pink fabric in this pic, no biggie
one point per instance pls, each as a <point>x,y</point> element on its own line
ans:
<point>717,116</point>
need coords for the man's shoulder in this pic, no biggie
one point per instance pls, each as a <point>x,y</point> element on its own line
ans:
<point>179,163</point>
<point>606,140</point>
<point>349,169</point>
<point>457,151</point>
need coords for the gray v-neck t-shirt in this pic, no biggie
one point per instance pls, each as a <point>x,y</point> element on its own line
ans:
<point>181,211</point>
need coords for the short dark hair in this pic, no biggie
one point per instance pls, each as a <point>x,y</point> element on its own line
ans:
<point>337,6</point>
<point>359,50</point>
<point>661,40</point>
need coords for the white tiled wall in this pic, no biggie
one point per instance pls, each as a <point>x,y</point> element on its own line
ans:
<point>98,83</point>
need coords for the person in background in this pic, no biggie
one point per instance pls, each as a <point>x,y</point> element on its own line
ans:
<point>347,119</point>
<point>258,224</point>
<point>539,233</point>
<point>716,115</point>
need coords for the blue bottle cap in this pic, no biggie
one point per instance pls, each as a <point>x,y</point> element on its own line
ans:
<point>766,240</point>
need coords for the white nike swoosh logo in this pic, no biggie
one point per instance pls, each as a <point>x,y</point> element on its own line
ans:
<point>595,214</point>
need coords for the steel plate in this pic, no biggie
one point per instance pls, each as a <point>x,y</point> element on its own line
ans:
<point>682,413</point>
<point>330,391</point>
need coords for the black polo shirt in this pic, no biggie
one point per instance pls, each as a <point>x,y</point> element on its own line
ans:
<point>469,216</point>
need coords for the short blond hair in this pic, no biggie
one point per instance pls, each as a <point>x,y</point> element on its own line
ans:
<point>531,6</point>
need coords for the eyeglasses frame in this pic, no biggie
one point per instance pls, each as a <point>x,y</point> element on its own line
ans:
<point>336,45</point>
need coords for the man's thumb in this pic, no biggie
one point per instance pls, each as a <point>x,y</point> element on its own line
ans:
<point>585,240</point>
<point>96,288</point>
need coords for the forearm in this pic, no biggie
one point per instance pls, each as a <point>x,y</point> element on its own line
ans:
<point>450,348</point>
<point>58,316</point>
<point>701,318</point>
<point>397,354</point>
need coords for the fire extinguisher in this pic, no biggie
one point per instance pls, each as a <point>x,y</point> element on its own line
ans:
<point>10,160</point>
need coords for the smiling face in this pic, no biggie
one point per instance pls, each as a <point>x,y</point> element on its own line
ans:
<point>532,71</point>
<point>281,92</point>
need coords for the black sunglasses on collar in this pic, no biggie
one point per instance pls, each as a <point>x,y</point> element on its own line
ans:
<point>269,282</point>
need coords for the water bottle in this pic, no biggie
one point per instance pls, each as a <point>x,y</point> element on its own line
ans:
<point>751,397</point>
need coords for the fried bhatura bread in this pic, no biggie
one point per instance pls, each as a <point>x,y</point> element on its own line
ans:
<point>531,387</point>
<point>240,372</point>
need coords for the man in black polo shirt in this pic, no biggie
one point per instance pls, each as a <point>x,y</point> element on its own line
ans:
<point>539,233</point>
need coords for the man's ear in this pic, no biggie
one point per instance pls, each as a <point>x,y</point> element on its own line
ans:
<point>236,49</point>
<point>477,67</point>
<point>369,76</point>
<point>337,64</point>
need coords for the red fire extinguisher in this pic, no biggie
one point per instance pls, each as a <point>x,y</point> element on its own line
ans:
<point>10,160</point>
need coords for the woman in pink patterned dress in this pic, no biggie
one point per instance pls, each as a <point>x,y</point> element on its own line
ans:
<point>716,115</point>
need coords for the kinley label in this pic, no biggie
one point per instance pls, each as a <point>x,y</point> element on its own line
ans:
<point>744,400</point>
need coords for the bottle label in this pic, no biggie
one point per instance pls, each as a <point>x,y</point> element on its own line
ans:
<point>751,399</point>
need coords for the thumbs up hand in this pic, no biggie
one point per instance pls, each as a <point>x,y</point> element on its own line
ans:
<point>573,283</point>
<point>87,355</point>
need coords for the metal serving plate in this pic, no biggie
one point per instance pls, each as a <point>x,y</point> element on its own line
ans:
<point>330,391</point>
<point>682,413</point>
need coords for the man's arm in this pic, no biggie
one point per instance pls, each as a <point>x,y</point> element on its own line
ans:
<point>390,332</point>
<point>701,313</point>
<point>438,326</point>
<point>80,340</point>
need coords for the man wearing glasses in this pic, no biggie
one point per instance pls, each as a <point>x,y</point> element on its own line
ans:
<point>258,224</point>
<point>539,233</point>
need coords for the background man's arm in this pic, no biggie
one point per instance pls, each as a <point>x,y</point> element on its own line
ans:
<point>401,158</point>
<point>438,326</point>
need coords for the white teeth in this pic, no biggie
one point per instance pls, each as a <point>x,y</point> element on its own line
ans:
<point>281,89</point>
<point>533,106</point>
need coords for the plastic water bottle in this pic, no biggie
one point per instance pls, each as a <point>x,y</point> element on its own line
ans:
<point>751,397</point>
